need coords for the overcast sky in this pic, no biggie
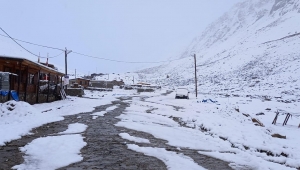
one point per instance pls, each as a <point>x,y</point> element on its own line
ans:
<point>126,30</point>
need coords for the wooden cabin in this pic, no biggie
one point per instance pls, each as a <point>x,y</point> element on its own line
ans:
<point>34,82</point>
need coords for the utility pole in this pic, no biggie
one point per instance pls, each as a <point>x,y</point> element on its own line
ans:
<point>66,68</point>
<point>75,73</point>
<point>195,75</point>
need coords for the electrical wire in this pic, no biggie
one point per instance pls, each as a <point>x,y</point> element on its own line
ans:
<point>30,43</point>
<point>33,43</point>
<point>101,58</point>
<point>122,61</point>
<point>54,56</point>
<point>18,43</point>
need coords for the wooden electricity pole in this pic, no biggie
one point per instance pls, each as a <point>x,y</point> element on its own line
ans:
<point>195,75</point>
<point>66,55</point>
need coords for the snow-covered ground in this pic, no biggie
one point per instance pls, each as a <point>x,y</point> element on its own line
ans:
<point>51,152</point>
<point>222,129</point>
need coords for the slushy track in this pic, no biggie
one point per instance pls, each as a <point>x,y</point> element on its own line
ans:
<point>105,149</point>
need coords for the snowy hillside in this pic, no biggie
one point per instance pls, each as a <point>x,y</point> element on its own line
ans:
<point>251,50</point>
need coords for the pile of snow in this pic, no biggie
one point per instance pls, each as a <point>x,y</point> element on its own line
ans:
<point>18,118</point>
<point>12,109</point>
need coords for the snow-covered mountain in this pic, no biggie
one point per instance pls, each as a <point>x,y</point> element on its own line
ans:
<point>252,49</point>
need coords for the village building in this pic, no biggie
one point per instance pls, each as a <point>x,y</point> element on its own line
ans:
<point>106,84</point>
<point>33,82</point>
<point>79,82</point>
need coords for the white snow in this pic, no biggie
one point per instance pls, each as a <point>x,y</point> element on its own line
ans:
<point>206,125</point>
<point>248,61</point>
<point>97,114</point>
<point>52,152</point>
<point>75,128</point>
<point>133,138</point>
<point>173,160</point>
<point>19,118</point>
<point>111,108</point>
<point>214,129</point>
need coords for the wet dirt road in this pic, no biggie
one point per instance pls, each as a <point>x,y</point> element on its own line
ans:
<point>105,149</point>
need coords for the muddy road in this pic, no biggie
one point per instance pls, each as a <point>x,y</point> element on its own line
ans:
<point>105,149</point>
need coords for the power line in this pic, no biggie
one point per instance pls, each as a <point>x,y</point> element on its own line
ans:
<point>122,61</point>
<point>32,43</point>
<point>101,58</point>
<point>27,49</point>
<point>54,56</point>
<point>18,43</point>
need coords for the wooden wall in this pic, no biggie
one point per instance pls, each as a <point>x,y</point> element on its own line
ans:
<point>29,73</point>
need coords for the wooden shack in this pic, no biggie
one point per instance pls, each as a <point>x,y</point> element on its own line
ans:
<point>34,82</point>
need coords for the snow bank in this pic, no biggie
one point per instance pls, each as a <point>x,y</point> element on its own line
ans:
<point>18,118</point>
